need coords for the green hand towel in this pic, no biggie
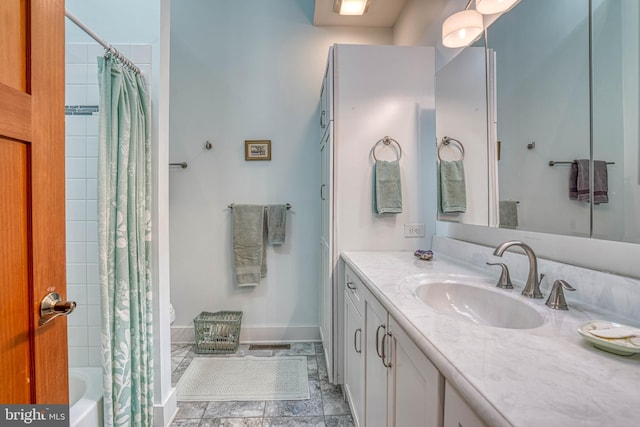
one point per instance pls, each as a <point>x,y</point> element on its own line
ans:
<point>453,196</point>
<point>276,224</point>
<point>249,252</point>
<point>508,214</point>
<point>388,188</point>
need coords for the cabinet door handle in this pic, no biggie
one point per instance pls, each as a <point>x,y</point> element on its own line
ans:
<point>355,340</point>
<point>322,191</point>
<point>384,346</point>
<point>322,124</point>
<point>378,339</point>
<point>351,286</point>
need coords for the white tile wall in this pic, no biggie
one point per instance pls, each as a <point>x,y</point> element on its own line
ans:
<point>82,189</point>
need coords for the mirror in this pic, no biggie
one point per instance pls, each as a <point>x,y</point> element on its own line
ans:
<point>461,114</point>
<point>539,52</point>
<point>558,99</point>
<point>616,113</point>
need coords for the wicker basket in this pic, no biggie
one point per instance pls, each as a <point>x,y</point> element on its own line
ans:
<point>217,332</point>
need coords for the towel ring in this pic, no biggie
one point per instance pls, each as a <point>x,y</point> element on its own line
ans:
<point>386,141</point>
<point>446,141</point>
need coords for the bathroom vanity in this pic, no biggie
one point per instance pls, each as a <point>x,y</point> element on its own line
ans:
<point>409,361</point>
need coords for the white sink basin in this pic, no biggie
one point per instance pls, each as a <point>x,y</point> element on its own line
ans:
<point>480,305</point>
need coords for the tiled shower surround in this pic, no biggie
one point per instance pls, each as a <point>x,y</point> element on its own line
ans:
<point>81,139</point>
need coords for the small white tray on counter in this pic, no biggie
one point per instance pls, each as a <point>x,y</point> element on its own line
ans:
<point>612,337</point>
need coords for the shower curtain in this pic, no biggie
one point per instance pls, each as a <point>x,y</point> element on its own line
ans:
<point>124,245</point>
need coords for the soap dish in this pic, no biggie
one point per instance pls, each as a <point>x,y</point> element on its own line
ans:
<point>423,255</point>
<point>612,337</point>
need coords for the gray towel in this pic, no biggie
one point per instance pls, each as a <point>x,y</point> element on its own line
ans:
<point>579,181</point>
<point>600,182</point>
<point>508,214</point>
<point>453,195</point>
<point>276,223</point>
<point>388,187</point>
<point>249,252</point>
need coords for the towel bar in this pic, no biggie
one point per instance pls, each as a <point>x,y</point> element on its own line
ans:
<point>183,165</point>
<point>552,163</point>
<point>288,205</point>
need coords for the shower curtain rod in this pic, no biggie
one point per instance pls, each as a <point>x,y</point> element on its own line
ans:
<point>102,42</point>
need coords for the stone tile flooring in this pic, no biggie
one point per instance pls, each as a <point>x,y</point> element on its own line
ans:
<point>326,407</point>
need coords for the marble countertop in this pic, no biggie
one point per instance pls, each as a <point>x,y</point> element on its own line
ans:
<point>547,376</point>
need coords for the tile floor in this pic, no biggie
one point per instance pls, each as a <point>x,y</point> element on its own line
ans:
<point>326,407</point>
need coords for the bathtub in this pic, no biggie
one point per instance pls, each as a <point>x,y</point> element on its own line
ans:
<point>85,397</point>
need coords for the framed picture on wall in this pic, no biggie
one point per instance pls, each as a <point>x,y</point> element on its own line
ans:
<point>257,150</point>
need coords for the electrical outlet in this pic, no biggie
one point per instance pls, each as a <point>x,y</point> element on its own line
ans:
<point>414,230</point>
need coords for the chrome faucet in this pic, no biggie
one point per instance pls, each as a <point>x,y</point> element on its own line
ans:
<point>532,287</point>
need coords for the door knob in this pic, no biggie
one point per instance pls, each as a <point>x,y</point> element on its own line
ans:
<point>52,306</point>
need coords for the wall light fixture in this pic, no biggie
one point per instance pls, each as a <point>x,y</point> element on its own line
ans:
<point>487,7</point>
<point>462,28</point>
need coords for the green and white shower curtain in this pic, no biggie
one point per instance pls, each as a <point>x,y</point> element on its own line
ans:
<point>124,245</point>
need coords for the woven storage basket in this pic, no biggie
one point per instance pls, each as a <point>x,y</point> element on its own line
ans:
<point>217,332</point>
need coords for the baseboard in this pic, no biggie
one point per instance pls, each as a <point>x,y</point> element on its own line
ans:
<point>258,334</point>
<point>163,414</point>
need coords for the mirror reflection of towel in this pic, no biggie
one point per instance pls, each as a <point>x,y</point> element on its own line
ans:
<point>579,181</point>
<point>453,195</point>
<point>508,214</point>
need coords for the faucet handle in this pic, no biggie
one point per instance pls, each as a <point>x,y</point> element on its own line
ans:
<point>504,281</point>
<point>542,277</point>
<point>556,297</point>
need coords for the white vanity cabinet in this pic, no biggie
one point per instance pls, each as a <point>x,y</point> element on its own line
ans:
<point>353,346</point>
<point>457,412</point>
<point>402,388</point>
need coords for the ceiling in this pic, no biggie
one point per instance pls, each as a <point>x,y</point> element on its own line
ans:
<point>381,13</point>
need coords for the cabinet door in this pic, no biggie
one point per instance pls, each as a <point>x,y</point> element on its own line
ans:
<point>416,386</point>
<point>324,112</point>
<point>326,257</point>
<point>326,95</point>
<point>326,312</point>
<point>354,360</point>
<point>375,369</point>
<point>325,188</point>
<point>456,411</point>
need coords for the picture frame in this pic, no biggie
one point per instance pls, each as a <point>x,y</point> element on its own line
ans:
<point>257,149</point>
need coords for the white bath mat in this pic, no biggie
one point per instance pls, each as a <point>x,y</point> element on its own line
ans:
<point>245,378</point>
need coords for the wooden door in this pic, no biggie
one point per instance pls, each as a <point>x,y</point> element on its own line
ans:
<point>33,358</point>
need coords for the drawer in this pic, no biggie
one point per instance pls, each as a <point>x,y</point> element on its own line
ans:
<point>354,289</point>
